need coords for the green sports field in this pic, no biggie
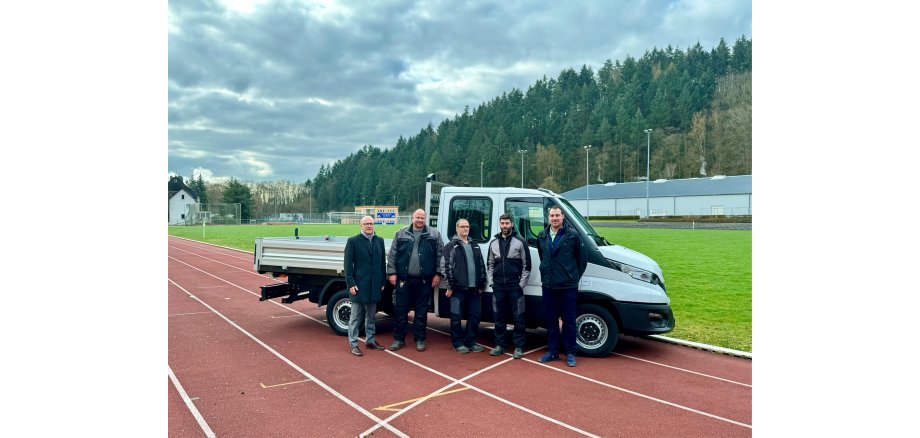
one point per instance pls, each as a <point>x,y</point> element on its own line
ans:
<point>707,272</point>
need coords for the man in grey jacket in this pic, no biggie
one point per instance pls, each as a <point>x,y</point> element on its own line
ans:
<point>508,270</point>
<point>414,267</point>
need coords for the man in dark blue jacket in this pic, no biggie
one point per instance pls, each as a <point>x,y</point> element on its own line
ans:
<point>563,260</point>
<point>466,279</point>
<point>414,267</point>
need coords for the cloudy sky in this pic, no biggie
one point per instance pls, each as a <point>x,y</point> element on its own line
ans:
<point>271,90</point>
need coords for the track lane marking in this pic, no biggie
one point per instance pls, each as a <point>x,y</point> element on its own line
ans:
<point>390,407</point>
<point>684,370</point>
<point>328,388</point>
<point>281,384</point>
<point>385,422</point>
<point>191,406</point>
<point>460,381</point>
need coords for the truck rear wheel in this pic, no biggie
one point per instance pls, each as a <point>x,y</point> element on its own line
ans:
<point>338,312</point>
<point>596,331</point>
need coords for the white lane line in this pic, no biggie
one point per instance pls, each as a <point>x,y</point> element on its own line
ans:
<point>190,313</point>
<point>205,246</point>
<point>250,271</point>
<point>638,394</point>
<point>684,370</point>
<point>529,360</point>
<point>463,382</point>
<point>328,388</point>
<point>191,406</point>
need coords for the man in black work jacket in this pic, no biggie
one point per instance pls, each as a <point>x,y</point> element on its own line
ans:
<point>508,270</point>
<point>563,260</point>
<point>414,267</point>
<point>466,279</point>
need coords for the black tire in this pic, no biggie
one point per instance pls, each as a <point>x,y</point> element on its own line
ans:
<point>338,312</point>
<point>596,331</point>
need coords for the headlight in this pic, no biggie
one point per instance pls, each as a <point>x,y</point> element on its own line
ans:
<point>634,272</point>
<point>637,273</point>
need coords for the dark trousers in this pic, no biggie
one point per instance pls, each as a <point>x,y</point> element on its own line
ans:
<point>556,303</point>
<point>502,300</point>
<point>468,300</point>
<point>413,293</point>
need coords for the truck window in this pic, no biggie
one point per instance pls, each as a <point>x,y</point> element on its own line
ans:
<point>528,216</point>
<point>477,211</point>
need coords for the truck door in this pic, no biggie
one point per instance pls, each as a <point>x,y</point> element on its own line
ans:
<point>529,218</point>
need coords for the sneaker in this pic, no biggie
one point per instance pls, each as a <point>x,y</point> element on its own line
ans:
<point>356,351</point>
<point>396,345</point>
<point>375,346</point>
<point>518,353</point>
<point>496,351</point>
<point>420,345</point>
<point>476,348</point>
<point>548,357</point>
<point>570,359</point>
<point>462,349</point>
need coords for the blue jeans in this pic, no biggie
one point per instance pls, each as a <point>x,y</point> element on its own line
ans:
<point>556,303</point>
<point>469,300</point>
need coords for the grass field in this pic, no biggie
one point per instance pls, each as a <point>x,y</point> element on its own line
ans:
<point>707,272</point>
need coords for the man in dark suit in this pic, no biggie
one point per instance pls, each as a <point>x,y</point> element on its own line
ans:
<point>365,273</point>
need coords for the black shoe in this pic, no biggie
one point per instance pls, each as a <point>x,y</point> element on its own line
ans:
<point>356,351</point>
<point>396,345</point>
<point>420,345</point>
<point>375,346</point>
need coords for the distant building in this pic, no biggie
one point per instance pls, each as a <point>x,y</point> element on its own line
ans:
<point>181,200</point>
<point>382,214</point>
<point>715,196</point>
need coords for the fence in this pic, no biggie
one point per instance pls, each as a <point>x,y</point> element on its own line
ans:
<point>213,214</point>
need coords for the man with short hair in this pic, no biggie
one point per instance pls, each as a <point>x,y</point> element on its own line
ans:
<point>466,279</point>
<point>365,273</point>
<point>414,267</point>
<point>508,270</point>
<point>563,261</point>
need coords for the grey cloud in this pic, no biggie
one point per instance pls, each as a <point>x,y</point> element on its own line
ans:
<point>287,89</point>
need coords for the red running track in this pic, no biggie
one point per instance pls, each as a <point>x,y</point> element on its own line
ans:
<point>245,368</point>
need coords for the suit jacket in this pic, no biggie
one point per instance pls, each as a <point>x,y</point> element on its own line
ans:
<point>365,267</point>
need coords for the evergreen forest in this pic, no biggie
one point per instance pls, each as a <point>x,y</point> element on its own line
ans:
<point>697,104</point>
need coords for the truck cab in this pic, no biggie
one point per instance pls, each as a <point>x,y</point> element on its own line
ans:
<point>621,291</point>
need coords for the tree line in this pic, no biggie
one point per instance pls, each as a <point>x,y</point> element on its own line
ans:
<point>696,102</point>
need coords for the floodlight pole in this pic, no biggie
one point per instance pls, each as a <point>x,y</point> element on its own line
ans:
<point>587,185</point>
<point>522,151</point>
<point>648,154</point>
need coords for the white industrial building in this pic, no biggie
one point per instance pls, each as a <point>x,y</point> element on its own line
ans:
<point>718,195</point>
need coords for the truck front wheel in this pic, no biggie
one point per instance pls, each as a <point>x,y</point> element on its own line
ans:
<point>338,312</point>
<point>596,331</point>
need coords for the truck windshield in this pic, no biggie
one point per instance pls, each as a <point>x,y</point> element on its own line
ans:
<point>579,221</point>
